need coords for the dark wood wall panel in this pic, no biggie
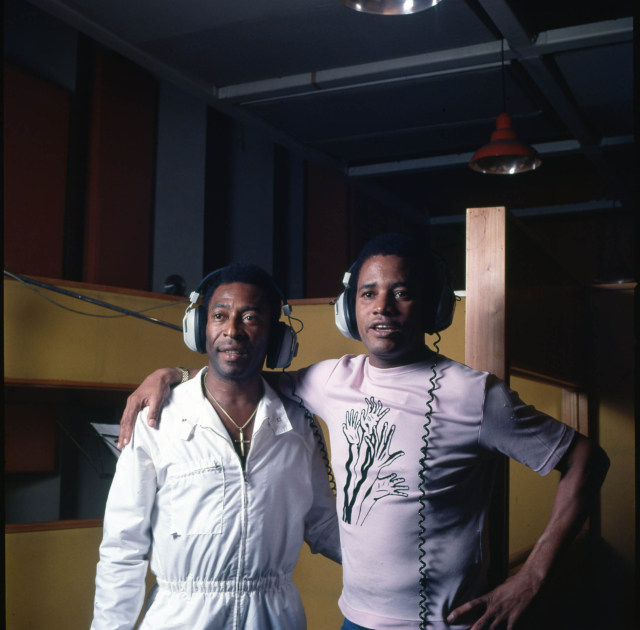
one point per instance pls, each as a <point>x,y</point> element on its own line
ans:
<point>36,128</point>
<point>117,248</point>
<point>29,438</point>
<point>340,220</point>
<point>327,232</point>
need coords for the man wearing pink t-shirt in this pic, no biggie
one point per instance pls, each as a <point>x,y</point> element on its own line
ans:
<point>414,439</point>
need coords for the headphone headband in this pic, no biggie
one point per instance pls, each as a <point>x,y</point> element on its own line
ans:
<point>198,292</point>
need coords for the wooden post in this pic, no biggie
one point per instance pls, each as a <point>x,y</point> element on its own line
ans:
<point>575,411</point>
<point>485,334</point>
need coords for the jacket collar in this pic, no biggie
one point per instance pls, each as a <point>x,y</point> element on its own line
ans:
<point>201,412</point>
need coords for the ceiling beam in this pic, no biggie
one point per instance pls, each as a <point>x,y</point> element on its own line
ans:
<point>601,205</point>
<point>208,93</point>
<point>545,73</point>
<point>436,63</point>
<point>542,70</point>
<point>460,159</point>
<point>198,89</point>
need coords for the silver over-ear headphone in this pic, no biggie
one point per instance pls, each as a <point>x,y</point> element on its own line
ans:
<point>439,307</point>
<point>283,341</point>
<point>344,314</point>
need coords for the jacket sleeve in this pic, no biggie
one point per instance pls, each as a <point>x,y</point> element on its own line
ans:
<point>321,529</point>
<point>124,552</point>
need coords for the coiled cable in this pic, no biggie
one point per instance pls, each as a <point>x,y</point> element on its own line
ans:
<point>423,504</point>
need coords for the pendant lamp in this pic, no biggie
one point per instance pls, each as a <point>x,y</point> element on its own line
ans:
<point>389,7</point>
<point>505,154</point>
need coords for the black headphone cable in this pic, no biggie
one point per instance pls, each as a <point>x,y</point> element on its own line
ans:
<point>423,466</point>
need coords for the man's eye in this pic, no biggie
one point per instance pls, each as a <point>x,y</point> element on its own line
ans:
<point>368,294</point>
<point>217,316</point>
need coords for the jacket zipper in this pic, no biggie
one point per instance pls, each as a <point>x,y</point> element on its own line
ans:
<point>243,527</point>
<point>243,531</point>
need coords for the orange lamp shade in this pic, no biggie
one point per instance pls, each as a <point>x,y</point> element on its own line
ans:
<point>505,154</point>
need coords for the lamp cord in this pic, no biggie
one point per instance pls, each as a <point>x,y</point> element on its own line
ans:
<point>504,91</point>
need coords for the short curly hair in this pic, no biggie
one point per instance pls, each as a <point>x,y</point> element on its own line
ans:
<point>416,254</point>
<point>247,273</point>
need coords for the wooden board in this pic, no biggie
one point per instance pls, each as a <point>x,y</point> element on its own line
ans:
<point>486,286</point>
<point>485,349</point>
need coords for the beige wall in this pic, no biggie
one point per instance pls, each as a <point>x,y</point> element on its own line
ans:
<point>530,495</point>
<point>613,370</point>
<point>44,342</point>
<point>49,578</point>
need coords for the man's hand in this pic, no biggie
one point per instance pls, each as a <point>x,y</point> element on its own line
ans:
<point>384,486</point>
<point>152,392</point>
<point>352,428</point>
<point>504,605</point>
<point>380,445</point>
<point>374,413</point>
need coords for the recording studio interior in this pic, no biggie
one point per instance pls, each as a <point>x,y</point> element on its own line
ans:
<point>147,144</point>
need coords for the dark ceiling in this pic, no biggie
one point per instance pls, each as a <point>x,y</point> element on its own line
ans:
<point>402,102</point>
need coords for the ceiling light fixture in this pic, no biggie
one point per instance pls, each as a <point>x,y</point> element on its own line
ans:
<point>389,7</point>
<point>505,154</point>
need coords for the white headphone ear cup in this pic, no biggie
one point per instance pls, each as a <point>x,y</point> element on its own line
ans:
<point>189,330</point>
<point>341,316</point>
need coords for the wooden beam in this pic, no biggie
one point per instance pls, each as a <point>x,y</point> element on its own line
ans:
<point>486,287</point>
<point>485,341</point>
<point>19,528</point>
<point>575,410</point>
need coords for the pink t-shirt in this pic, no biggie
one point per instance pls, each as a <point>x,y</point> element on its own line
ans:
<point>376,424</point>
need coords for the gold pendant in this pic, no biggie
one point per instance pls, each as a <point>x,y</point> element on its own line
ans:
<point>242,442</point>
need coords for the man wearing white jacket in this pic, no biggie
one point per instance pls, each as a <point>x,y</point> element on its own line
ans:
<point>223,494</point>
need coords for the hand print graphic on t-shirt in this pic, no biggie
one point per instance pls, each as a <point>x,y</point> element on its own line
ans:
<point>369,446</point>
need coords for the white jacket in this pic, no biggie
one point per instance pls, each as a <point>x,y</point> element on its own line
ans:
<point>222,547</point>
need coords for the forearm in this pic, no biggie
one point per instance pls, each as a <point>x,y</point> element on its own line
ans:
<point>582,476</point>
<point>583,470</point>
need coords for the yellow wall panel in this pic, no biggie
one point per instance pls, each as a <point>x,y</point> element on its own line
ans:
<point>50,578</point>
<point>530,495</point>
<point>45,342</point>
<point>614,368</point>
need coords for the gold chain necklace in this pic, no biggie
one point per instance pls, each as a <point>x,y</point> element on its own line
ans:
<point>242,441</point>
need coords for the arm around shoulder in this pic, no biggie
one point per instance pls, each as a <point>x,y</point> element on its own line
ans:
<point>152,393</point>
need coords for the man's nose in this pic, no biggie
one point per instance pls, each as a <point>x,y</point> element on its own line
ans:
<point>384,303</point>
<point>234,328</point>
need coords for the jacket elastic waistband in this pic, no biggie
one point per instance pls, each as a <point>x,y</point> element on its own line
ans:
<point>246,585</point>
